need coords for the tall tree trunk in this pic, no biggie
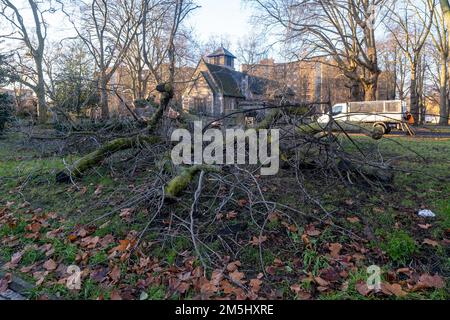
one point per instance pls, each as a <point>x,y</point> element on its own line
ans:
<point>443,103</point>
<point>104,92</point>
<point>414,99</point>
<point>355,91</point>
<point>371,87</point>
<point>445,6</point>
<point>40,92</point>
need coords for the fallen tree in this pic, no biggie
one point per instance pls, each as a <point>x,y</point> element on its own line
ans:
<point>89,161</point>
<point>178,184</point>
<point>375,133</point>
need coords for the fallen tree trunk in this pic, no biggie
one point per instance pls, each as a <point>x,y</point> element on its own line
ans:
<point>369,172</point>
<point>375,133</point>
<point>91,160</point>
<point>181,182</point>
<point>276,114</point>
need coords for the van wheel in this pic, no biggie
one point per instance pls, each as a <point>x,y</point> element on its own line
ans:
<point>382,126</point>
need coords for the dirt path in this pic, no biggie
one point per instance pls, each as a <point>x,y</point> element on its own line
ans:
<point>422,133</point>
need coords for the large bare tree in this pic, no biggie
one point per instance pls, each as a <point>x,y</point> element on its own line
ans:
<point>445,7</point>
<point>441,41</point>
<point>31,38</point>
<point>341,29</point>
<point>410,24</point>
<point>161,28</point>
<point>108,30</point>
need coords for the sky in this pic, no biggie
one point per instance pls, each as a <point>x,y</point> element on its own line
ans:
<point>218,18</point>
<point>227,19</point>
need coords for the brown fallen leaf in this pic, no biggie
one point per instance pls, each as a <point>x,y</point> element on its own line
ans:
<point>395,289</point>
<point>126,213</point>
<point>255,285</point>
<point>330,275</point>
<point>50,265</point>
<point>313,232</point>
<point>233,266</point>
<point>5,281</point>
<point>208,289</point>
<point>335,250</point>
<point>115,296</point>
<point>115,274</point>
<point>425,226</point>
<point>237,276</point>
<point>349,202</point>
<point>301,294</point>
<point>258,240</point>
<point>183,287</point>
<point>291,227</point>
<point>99,190</point>
<point>15,259</point>
<point>242,203</point>
<point>296,288</point>
<point>83,191</point>
<point>124,245</point>
<point>305,239</point>
<point>232,215</point>
<point>427,281</point>
<point>431,242</point>
<point>404,270</point>
<point>273,217</point>
<point>363,289</point>
<point>34,227</point>
<point>321,282</point>
<point>216,277</point>
<point>226,286</point>
<point>353,220</point>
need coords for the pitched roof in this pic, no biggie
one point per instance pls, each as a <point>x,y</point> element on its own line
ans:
<point>230,81</point>
<point>221,52</point>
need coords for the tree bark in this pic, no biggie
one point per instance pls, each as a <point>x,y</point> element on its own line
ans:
<point>181,182</point>
<point>355,91</point>
<point>104,92</point>
<point>40,92</point>
<point>91,160</point>
<point>370,89</point>
<point>443,103</point>
<point>414,100</point>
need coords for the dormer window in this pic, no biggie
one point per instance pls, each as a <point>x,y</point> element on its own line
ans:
<point>222,57</point>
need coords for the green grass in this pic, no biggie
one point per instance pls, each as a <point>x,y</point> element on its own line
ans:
<point>400,246</point>
<point>427,184</point>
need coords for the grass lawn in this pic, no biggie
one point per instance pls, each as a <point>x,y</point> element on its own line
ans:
<point>44,228</point>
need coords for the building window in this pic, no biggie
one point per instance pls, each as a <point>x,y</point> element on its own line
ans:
<point>229,61</point>
<point>200,105</point>
<point>228,104</point>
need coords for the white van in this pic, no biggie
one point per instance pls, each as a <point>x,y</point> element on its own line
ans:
<point>385,114</point>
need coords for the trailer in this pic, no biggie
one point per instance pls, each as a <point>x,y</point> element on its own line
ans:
<point>385,114</point>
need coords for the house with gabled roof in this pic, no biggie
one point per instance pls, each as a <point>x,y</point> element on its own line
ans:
<point>216,88</point>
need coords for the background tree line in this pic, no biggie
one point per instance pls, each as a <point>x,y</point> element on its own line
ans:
<point>362,38</point>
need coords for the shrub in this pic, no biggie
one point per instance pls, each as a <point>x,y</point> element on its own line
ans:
<point>400,246</point>
<point>6,110</point>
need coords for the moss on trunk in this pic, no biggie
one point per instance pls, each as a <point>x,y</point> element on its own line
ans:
<point>181,182</point>
<point>94,158</point>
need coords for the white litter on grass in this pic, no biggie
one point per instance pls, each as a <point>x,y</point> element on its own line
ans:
<point>426,214</point>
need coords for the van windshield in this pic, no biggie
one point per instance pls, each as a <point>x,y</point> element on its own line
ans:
<point>337,110</point>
